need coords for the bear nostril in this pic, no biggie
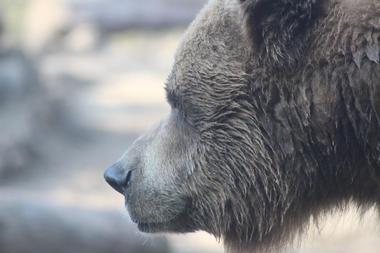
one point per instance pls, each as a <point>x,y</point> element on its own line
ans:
<point>117,178</point>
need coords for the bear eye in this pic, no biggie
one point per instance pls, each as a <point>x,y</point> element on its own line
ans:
<point>178,105</point>
<point>176,101</point>
<point>172,99</point>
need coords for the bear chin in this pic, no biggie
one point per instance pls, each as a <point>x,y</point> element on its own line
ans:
<point>180,224</point>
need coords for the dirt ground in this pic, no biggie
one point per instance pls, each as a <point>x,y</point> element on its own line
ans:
<point>111,95</point>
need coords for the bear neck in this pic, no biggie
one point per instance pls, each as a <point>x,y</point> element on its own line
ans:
<point>323,148</point>
<point>320,128</point>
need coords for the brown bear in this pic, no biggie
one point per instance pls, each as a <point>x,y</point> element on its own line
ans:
<point>275,118</point>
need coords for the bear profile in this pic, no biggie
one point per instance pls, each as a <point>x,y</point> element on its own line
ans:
<point>275,118</point>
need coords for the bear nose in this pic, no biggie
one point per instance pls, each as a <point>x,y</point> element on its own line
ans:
<point>118,178</point>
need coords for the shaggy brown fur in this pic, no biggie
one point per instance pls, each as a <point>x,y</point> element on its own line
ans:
<point>275,119</point>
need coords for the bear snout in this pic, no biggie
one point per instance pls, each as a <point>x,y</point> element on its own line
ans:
<point>118,178</point>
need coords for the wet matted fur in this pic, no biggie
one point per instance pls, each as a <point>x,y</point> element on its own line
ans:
<point>275,118</point>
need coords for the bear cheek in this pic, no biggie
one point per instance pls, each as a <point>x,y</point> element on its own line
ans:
<point>162,163</point>
<point>168,152</point>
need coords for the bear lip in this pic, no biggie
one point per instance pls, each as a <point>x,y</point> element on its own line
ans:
<point>175,225</point>
<point>172,225</point>
<point>151,227</point>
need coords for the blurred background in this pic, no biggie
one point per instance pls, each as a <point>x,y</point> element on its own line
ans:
<point>79,80</point>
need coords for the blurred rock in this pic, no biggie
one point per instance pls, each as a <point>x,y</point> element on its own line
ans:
<point>27,112</point>
<point>18,77</point>
<point>30,226</point>
<point>19,86</point>
<point>16,156</point>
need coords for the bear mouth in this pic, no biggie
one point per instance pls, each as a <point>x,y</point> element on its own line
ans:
<point>169,227</point>
<point>156,227</point>
<point>153,227</point>
<point>180,224</point>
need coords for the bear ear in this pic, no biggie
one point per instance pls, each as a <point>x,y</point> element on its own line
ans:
<point>278,28</point>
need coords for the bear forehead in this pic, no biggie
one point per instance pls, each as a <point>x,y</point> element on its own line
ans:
<point>214,43</point>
